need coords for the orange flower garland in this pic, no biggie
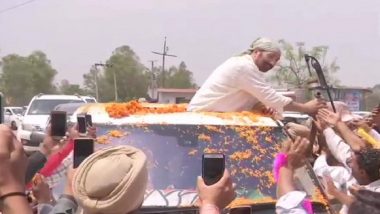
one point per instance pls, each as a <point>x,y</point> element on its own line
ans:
<point>119,110</point>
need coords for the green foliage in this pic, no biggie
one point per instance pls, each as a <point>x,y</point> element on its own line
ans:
<point>293,72</point>
<point>24,77</point>
<point>131,77</point>
<point>69,89</point>
<point>177,77</point>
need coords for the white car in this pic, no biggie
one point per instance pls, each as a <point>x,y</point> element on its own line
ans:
<point>37,115</point>
<point>89,99</point>
<point>13,116</point>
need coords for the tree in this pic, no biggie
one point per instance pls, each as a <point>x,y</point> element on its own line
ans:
<point>104,88</point>
<point>24,77</point>
<point>132,78</point>
<point>69,89</point>
<point>180,77</point>
<point>176,77</point>
<point>293,71</point>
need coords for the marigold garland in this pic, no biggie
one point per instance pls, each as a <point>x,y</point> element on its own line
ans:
<point>119,110</point>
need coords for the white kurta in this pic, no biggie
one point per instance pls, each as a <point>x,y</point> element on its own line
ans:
<point>236,85</point>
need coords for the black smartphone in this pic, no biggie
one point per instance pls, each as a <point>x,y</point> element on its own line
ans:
<point>213,165</point>
<point>83,147</point>
<point>88,119</point>
<point>241,210</point>
<point>82,126</point>
<point>58,120</point>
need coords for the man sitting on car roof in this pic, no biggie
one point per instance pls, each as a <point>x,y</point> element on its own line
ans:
<point>238,84</point>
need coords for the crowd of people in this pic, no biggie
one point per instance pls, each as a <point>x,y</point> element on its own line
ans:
<point>342,148</point>
<point>346,162</point>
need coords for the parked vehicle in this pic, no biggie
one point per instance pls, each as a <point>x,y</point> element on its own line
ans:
<point>37,114</point>
<point>13,116</point>
<point>89,99</point>
<point>36,137</point>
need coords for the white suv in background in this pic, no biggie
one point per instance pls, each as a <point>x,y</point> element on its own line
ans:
<point>89,99</point>
<point>37,114</point>
<point>13,116</point>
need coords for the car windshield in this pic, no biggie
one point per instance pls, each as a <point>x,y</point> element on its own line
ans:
<point>175,158</point>
<point>89,100</point>
<point>17,111</point>
<point>44,107</point>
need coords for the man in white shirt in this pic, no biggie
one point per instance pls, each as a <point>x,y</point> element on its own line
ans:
<point>238,84</point>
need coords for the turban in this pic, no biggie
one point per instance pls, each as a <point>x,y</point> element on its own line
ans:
<point>264,44</point>
<point>112,180</point>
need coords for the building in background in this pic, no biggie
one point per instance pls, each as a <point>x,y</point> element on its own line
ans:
<point>172,95</point>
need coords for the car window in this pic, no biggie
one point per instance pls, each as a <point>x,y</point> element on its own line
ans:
<point>44,107</point>
<point>88,100</point>
<point>175,156</point>
<point>17,110</point>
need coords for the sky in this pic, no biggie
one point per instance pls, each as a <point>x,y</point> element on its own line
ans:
<point>78,33</point>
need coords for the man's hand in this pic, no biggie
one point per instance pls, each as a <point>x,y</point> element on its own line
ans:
<point>320,124</point>
<point>50,145</point>
<point>331,189</point>
<point>42,192</point>
<point>91,132</point>
<point>297,153</point>
<point>362,124</point>
<point>69,181</point>
<point>220,194</point>
<point>376,116</point>
<point>13,162</point>
<point>329,117</point>
<point>73,132</point>
<point>314,105</point>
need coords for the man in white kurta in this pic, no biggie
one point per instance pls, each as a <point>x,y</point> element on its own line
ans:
<point>238,84</point>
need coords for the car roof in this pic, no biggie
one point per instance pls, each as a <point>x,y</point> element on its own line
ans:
<point>100,116</point>
<point>88,97</point>
<point>57,97</point>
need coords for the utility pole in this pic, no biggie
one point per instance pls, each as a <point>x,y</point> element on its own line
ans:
<point>96,79</point>
<point>153,83</point>
<point>164,54</point>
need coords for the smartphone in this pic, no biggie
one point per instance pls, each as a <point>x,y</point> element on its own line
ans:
<point>88,119</point>
<point>241,210</point>
<point>213,165</point>
<point>82,127</point>
<point>83,147</point>
<point>58,120</point>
